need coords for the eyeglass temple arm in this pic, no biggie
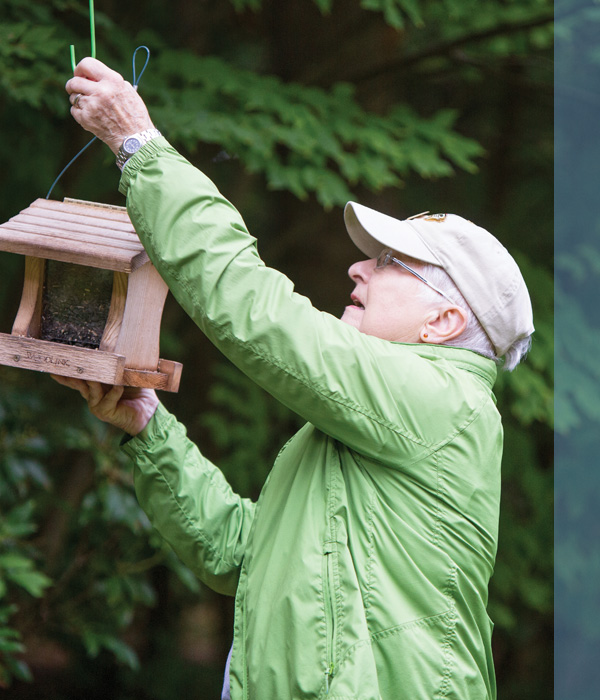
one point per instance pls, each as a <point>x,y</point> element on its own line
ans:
<point>418,276</point>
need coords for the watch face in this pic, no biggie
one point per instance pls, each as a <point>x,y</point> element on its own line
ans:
<point>132,145</point>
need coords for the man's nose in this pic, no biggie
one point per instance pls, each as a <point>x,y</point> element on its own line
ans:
<point>361,271</point>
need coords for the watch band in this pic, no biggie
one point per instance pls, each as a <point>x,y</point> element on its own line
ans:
<point>133,143</point>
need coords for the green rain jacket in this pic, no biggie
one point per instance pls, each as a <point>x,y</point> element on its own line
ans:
<point>361,573</point>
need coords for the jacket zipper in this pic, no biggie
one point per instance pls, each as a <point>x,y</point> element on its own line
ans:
<point>243,653</point>
<point>329,615</point>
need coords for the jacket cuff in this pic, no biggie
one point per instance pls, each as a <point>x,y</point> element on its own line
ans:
<point>160,423</point>
<point>147,152</point>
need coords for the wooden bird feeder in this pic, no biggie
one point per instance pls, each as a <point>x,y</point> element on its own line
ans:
<point>106,326</point>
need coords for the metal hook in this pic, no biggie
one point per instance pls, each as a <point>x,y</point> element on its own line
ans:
<point>92,38</point>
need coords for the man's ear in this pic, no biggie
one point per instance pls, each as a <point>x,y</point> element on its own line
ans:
<point>443,324</point>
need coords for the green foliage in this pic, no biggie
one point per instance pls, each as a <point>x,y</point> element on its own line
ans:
<point>19,570</point>
<point>94,545</point>
<point>303,139</point>
<point>11,647</point>
<point>31,43</point>
<point>19,559</point>
<point>393,10</point>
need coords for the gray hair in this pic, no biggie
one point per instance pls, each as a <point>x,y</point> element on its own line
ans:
<point>474,336</point>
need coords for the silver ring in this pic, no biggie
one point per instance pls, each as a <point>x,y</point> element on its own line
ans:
<point>76,100</point>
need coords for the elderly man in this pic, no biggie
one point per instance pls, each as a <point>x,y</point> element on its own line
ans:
<point>362,571</point>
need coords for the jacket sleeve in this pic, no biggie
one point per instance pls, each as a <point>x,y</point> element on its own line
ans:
<point>189,502</point>
<point>356,388</point>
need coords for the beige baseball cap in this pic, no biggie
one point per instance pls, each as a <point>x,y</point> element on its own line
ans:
<point>483,270</point>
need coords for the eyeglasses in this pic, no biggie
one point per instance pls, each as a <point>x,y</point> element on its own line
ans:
<point>386,258</point>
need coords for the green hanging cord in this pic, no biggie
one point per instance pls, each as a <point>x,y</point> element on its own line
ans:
<point>92,29</point>
<point>92,37</point>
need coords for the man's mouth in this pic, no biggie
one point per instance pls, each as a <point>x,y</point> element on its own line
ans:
<point>356,302</point>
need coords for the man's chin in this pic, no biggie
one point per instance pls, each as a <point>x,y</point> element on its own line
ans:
<point>352,316</point>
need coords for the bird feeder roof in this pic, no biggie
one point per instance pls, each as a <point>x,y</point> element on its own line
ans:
<point>74,231</point>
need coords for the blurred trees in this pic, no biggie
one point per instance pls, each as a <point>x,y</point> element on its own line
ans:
<point>292,108</point>
<point>577,396</point>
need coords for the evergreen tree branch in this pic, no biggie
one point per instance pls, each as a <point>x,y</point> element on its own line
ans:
<point>447,47</point>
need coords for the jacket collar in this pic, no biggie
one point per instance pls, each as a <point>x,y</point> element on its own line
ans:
<point>466,360</point>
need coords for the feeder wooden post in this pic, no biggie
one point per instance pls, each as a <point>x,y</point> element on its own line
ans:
<point>29,316</point>
<point>98,236</point>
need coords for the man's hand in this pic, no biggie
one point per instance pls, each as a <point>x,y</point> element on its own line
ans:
<point>106,104</point>
<point>127,408</point>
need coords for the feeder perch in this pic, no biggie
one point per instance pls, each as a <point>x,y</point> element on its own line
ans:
<point>108,327</point>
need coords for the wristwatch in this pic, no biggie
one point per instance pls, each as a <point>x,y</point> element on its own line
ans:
<point>133,143</point>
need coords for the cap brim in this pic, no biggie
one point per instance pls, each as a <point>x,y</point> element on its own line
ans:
<point>371,231</point>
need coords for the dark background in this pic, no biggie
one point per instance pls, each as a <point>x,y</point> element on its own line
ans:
<point>292,108</point>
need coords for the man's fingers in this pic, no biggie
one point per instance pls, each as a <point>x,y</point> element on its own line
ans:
<point>92,69</point>
<point>103,103</point>
<point>80,86</point>
<point>112,397</point>
<point>103,398</point>
<point>96,394</point>
<point>88,73</point>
